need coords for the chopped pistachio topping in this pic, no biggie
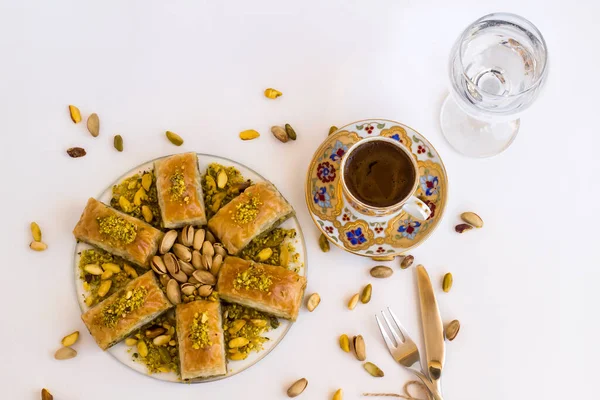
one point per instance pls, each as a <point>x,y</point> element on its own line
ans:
<point>255,278</point>
<point>178,187</point>
<point>117,228</point>
<point>247,211</point>
<point>199,331</point>
<point>125,304</point>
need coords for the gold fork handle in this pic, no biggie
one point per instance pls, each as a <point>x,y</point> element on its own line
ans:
<point>435,394</point>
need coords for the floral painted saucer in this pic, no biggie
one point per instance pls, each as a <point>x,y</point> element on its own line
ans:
<point>371,236</point>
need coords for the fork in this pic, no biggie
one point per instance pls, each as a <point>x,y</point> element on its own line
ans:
<point>404,350</point>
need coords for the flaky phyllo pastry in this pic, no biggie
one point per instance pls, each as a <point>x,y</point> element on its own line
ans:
<point>200,339</point>
<point>271,289</point>
<point>117,233</point>
<point>258,210</point>
<point>179,191</point>
<point>138,303</point>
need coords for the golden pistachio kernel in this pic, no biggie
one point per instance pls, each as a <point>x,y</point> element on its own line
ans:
<point>338,395</point>
<point>324,243</point>
<point>147,181</point>
<point>297,387</point>
<point>142,348</point>
<point>290,131</point>
<point>345,343</point>
<point>65,353</point>
<point>36,232</point>
<point>365,296</point>
<point>353,301</point>
<point>272,93</point>
<point>46,395</point>
<point>373,369</point>
<point>147,213</point>
<point>249,134</point>
<point>174,138</point>
<point>447,282</point>
<point>313,302</point>
<point>238,342</point>
<point>118,143</point>
<point>70,339</point>
<point>264,254</point>
<point>38,246</point>
<point>75,114</point>
<point>131,341</point>
<point>104,288</point>
<point>407,261</point>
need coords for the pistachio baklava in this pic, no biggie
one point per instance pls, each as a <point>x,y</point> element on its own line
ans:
<point>117,233</point>
<point>271,289</point>
<point>138,303</point>
<point>258,210</point>
<point>200,338</point>
<point>179,191</point>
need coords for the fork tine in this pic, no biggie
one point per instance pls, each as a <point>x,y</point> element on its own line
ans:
<point>385,335</point>
<point>403,331</point>
<point>394,331</point>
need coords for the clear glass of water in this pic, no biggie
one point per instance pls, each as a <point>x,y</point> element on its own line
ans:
<point>497,68</point>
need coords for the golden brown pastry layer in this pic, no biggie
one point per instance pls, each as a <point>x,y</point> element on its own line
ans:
<point>138,303</point>
<point>179,191</point>
<point>118,233</point>
<point>257,210</point>
<point>272,289</point>
<point>200,339</point>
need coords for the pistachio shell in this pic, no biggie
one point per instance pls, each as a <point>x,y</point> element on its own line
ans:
<point>158,265</point>
<point>280,133</point>
<point>407,261</point>
<point>452,330</point>
<point>167,241</point>
<point>381,271</point>
<point>472,219</point>
<point>205,290</point>
<point>359,348</point>
<point>171,263</point>
<point>173,292</point>
<point>182,252</point>
<point>187,236</point>
<point>65,353</point>
<point>199,236</point>
<point>186,268</point>
<point>297,387</point>
<point>93,124</point>
<point>217,262</point>
<point>208,249</point>
<point>205,277</point>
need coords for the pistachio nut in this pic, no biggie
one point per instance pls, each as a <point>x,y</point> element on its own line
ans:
<point>381,271</point>
<point>472,219</point>
<point>313,302</point>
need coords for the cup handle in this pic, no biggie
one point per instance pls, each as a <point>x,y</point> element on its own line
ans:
<point>417,208</point>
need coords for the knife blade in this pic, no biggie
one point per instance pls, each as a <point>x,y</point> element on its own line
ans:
<point>433,329</point>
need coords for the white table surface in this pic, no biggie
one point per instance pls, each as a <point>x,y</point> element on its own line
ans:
<point>526,286</point>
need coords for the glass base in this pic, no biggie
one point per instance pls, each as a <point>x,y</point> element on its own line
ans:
<point>473,137</point>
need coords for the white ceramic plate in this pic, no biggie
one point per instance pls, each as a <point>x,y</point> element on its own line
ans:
<point>120,351</point>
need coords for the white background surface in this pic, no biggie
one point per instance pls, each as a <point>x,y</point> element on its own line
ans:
<point>526,286</point>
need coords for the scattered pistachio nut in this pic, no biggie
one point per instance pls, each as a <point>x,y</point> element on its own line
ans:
<point>472,219</point>
<point>161,340</point>
<point>93,269</point>
<point>407,261</point>
<point>217,262</point>
<point>332,129</point>
<point>38,246</point>
<point>76,152</point>
<point>158,265</point>
<point>36,232</point>
<point>142,349</point>
<point>280,133</point>
<point>460,228</point>
<point>297,388</point>
<point>373,369</point>
<point>238,342</point>
<point>353,301</point>
<point>147,181</point>
<point>118,142</point>
<point>359,348</point>
<point>381,271</point>
<point>236,326</point>
<point>205,290</point>
<point>208,249</point>
<point>106,275</point>
<point>222,179</point>
<point>199,236</point>
<point>313,302</point>
<point>130,271</point>
<point>111,267</point>
<point>205,277</point>
<point>46,395</point>
<point>147,213</point>
<point>345,343</point>
<point>272,93</point>
<point>182,252</point>
<point>75,114</point>
<point>174,138</point>
<point>290,131</point>
<point>210,237</point>
<point>131,341</point>
<point>264,254</point>
<point>249,134</point>
<point>365,296</point>
<point>65,353</point>
<point>324,243</point>
<point>447,282</point>
<point>452,330</point>
<point>338,395</point>
<point>70,339</point>
<point>104,288</point>
<point>93,124</point>
<point>167,241</point>
<point>173,292</point>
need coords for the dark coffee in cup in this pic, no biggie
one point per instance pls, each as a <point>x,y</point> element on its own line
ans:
<point>379,174</point>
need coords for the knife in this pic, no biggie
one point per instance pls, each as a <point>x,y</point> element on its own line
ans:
<point>433,329</point>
